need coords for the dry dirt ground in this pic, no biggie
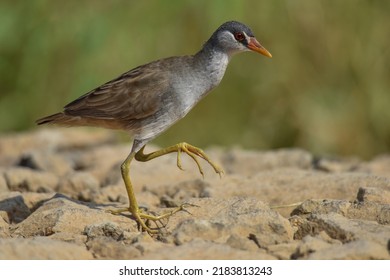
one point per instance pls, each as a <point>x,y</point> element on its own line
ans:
<point>56,185</point>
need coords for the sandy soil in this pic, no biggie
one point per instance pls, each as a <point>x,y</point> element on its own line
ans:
<point>56,185</point>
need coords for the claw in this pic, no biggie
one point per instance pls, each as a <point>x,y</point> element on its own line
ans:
<point>178,162</point>
<point>117,211</point>
<point>193,151</point>
<point>143,219</point>
<point>186,204</point>
<point>192,155</point>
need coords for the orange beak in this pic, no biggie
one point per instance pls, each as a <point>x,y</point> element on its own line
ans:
<point>255,46</point>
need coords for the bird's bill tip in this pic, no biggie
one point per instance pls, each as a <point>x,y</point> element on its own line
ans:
<point>255,46</point>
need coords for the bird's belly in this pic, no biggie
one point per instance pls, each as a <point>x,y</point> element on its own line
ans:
<point>189,95</point>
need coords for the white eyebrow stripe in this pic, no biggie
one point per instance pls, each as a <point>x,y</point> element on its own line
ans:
<point>246,36</point>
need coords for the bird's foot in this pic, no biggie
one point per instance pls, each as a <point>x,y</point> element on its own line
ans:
<point>144,218</point>
<point>190,150</point>
<point>193,151</point>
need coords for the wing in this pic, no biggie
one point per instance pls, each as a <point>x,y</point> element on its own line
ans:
<point>134,95</point>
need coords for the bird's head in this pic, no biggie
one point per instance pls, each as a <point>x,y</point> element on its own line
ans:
<point>234,37</point>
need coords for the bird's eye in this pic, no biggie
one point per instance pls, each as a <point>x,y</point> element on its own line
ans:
<point>239,36</point>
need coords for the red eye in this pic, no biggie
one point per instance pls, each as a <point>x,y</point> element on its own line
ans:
<point>239,36</point>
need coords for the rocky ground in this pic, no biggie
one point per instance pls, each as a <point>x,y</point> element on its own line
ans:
<point>56,185</point>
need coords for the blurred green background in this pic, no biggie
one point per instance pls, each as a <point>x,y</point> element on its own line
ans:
<point>326,89</point>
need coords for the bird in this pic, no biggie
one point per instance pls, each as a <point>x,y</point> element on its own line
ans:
<point>150,98</point>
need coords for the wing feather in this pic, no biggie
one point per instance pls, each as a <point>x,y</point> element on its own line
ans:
<point>134,95</point>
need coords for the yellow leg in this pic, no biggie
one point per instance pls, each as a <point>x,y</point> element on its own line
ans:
<point>133,208</point>
<point>190,150</point>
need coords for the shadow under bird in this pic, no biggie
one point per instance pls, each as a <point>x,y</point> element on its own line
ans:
<point>148,99</point>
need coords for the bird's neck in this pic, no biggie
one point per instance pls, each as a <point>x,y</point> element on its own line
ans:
<point>213,63</point>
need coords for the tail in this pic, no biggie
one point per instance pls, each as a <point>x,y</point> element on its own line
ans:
<point>63,119</point>
<point>59,118</point>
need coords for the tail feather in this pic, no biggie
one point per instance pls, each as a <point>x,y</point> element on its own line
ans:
<point>59,118</point>
<point>63,119</point>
